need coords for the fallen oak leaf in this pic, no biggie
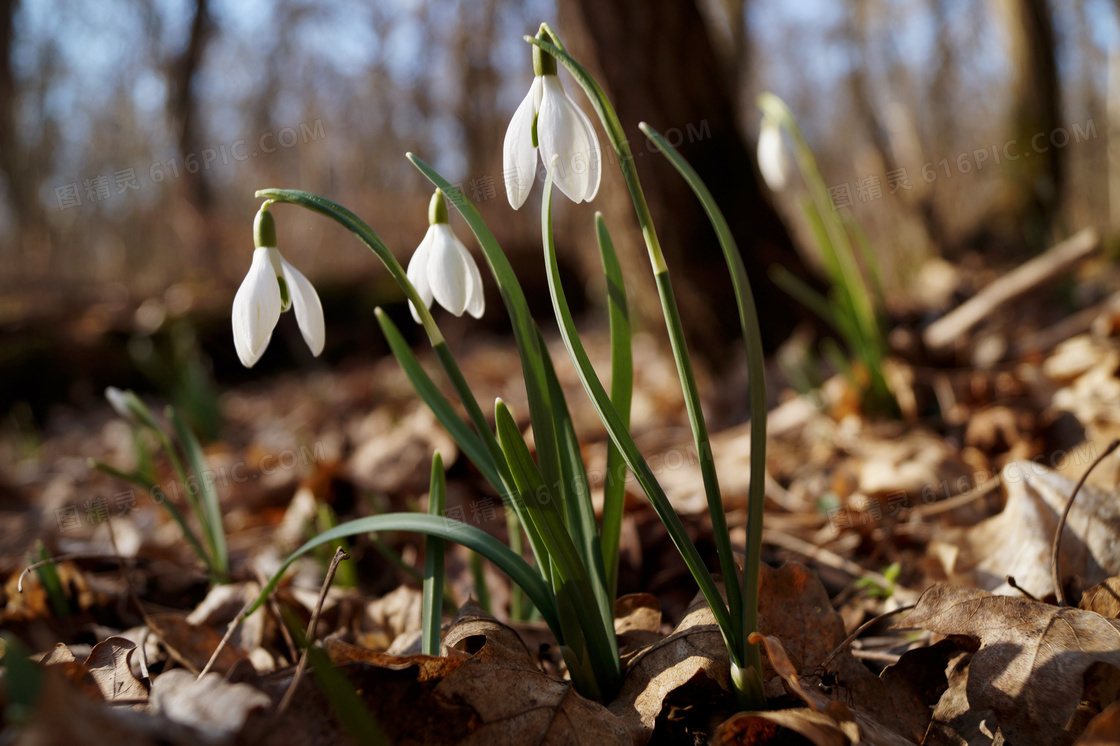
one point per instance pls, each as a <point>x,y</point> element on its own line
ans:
<point>637,621</point>
<point>1030,661</point>
<point>692,657</point>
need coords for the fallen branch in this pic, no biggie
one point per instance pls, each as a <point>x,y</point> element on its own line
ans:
<point>942,333</point>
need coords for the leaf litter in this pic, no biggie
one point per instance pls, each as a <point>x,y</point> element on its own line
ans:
<point>981,662</point>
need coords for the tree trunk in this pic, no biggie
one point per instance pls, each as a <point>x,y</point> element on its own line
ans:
<point>184,115</point>
<point>656,61</point>
<point>1034,181</point>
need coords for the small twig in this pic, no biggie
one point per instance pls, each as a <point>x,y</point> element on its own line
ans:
<point>274,607</point>
<point>833,560</point>
<point>61,558</point>
<point>957,501</point>
<point>1011,582</point>
<point>859,631</point>
<point>876,655</point>
<point>1060,258</point>
<point>233,625</point>
<point>339,555</point>
<point>1059,592</point>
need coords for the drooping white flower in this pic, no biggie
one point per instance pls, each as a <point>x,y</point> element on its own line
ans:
<point>548,117</point>
<point>119,402</point>
<point>271,287</point>
<point>771,155</point>
<point>443,269</point>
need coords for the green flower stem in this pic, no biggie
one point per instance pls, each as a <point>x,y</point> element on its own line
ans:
<point>847,275</point>
<point>621,146</point>
<point>433,564</point>
<point>524,328</point>
<point>365,234</point>
<point>748,678</point>
<point>621,437</point>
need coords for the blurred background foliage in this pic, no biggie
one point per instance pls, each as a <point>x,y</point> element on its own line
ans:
<point>133,134</point>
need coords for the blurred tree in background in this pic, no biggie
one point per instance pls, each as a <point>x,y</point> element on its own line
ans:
<point>133,134</point>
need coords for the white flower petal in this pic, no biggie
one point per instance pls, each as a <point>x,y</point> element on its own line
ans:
<point>519,156</point>
<point>308,309</point>
<point>561,131</point>
<point>418,273</point>
<point>596,158</point>
<point>447,269</point>
<point>119,403</point>
<point>476,296</point>
<point>771,156</point>
<point>256,309</point>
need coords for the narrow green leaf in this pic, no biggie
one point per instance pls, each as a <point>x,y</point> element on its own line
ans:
<point>621,436</point>
<point>373,242</point>
<point>750,661</point>
<point>622,391</point>
<point>580,513</point>
<point>577,607</point>
<point>524,328</point>
<point>23,680</point>
<point>51,583</point>
<point>433,564</point>
<point>471,444</point>
<point>482,590</point>
<point>209,508</point>
<point>518,570</point>
<point>345,700</point>
<point>803,294</point>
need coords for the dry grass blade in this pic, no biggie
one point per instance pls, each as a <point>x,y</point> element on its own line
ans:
<point>339,555</point>
<point>1059,591</point>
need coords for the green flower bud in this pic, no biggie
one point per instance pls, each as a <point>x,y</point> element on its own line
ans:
<point>437,209</point>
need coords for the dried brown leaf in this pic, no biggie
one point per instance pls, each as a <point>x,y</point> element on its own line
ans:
<point>637,611</point>
<point>212,705</point>
<point>108,664</point>
<point>485,689</point>
<point>193,644</point>
<point>783,666</point>
<point>60,654</point>
<point>1104,598</point>
<point>1031,661</point>
<point>693,656</point>
<point>1104,729</point>
<point>1018,541</point>
<point>637,622</point>
<point>758,728</point>
<point>955,722</point>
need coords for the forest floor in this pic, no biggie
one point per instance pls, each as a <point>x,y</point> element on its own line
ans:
<point>951,508</point>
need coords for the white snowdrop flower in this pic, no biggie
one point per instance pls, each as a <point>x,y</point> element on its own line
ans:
<point>548,117</point>
<point>119,402</point>
<point>271,287</point>
<point>443,269</point>
<point>771,155</point>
